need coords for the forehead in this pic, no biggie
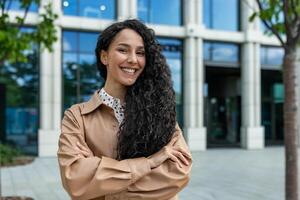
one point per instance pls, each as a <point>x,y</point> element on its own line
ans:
<point>128,36</point>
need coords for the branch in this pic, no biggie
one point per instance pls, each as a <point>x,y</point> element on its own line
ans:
<point>9,4</point>
<point>3,6</point>
<point>270,26</point>
<point>25,15</point>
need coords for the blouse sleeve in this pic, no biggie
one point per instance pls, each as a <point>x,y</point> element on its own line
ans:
<point>165,181</point>
<point>87,178</point>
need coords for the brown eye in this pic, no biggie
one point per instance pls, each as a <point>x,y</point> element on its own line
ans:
<point>140,53</point>
<point>122,50</point>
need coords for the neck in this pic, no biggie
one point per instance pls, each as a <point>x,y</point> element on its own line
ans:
<point>116,91</point>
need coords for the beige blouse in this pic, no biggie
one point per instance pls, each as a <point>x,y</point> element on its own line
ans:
<point>101,176</point>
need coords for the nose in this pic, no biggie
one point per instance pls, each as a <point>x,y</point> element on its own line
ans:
<point>132,58</point>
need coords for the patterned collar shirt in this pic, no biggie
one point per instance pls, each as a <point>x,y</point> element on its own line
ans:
<point>113,103</point>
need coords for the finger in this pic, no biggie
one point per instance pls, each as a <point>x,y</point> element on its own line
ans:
<point>83,147</point>
<point>84,150</point>
<point>184,152</point>
<point>175,159</point>
<point>181,157</point>
<point>86,154</point>
<point>174,140</point>
<point>80,146</point>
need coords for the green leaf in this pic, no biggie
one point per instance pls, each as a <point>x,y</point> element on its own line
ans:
<point>252,17</point>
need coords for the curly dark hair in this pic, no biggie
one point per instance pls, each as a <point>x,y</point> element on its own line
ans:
<point>150,114</point>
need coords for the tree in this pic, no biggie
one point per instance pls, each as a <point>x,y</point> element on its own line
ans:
<point>13,41</point>
<point>282,18</point>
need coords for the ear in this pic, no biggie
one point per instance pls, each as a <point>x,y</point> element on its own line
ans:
<point>103,57</point>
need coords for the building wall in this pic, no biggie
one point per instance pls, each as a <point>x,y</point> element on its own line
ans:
<point>194,33</point>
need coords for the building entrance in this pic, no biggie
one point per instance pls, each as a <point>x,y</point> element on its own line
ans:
<point>222,106</point>
<point>272,94</point>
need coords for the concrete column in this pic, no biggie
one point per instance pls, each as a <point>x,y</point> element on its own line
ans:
<point>252,133</point>
<point>123,8</point>
<point>133,9</point>
<point>50,93</point>
<point>193,81</point>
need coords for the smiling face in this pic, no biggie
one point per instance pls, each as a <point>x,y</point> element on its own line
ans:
<point>125,58</point>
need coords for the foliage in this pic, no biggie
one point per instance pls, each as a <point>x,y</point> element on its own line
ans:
<point>14,42</point>
<point>21,81</point>
<point>281,19</point>
<point>7,154</point>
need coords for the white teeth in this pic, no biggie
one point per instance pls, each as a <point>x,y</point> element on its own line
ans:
<point>128,70</point>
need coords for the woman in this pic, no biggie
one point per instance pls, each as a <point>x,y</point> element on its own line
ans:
<point>124,143</point>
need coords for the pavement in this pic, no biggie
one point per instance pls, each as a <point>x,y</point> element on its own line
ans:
<point>217,174</point>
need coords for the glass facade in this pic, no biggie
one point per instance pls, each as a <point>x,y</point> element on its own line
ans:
<point>19,99</point>
<point>167,12</point>
<point>221,52</point>
<point>102,9</point>
<point>222,95</point>
<point>271,57</point>
<point>172,50</point>
<point>80,75</point>
<point>221,14</point>
<point>272,93</point>
<point>16,5</point>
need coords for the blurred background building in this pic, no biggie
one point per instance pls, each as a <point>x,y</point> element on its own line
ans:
<point>226,72</point>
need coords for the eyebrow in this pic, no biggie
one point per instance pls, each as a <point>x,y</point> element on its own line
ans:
<point>127,45</point>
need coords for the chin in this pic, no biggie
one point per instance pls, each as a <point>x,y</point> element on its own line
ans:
<point>128,82</point>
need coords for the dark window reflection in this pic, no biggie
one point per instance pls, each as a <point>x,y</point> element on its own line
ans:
<point>172,50</point>
<point>19,94</point>
<point>221,52</point>
<point>271,57</point>
<point>79,67</point>
<point>103,9</point>
<point>221,14</point>
<point>167,12</point>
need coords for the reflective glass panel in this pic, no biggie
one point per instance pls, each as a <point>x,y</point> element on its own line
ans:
<point>87,42</point>
<point>221,14</point>
<point>19,102</point>
<point>103,9</point>
<point>172,50</point>
<point>168,12</point>
<point>271,57</point>
<point>80,73</point>
<point>221,52</point>
<point>70,41</point>
<point>16,5</point>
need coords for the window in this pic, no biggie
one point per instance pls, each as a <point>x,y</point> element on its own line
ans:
<point>271,57</point>
<point>168,12</point>
<point>103,9</point>
<point>172,50</point>
<point>16,5</point>
<point>219,52</point>
<point>19,99</point>
<point>80,74</point>
<point>221,14</point>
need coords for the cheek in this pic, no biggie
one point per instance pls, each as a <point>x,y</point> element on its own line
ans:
<point>142,62</point>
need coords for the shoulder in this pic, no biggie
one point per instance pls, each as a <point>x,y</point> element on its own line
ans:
<point>75,110</point>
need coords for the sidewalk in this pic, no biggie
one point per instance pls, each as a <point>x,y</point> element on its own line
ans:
<point>218,174</point>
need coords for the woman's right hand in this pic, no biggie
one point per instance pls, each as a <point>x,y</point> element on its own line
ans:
<point>172,152</point>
